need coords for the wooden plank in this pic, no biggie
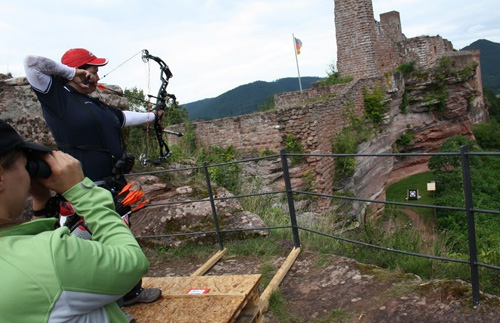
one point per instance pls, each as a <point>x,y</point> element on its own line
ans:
<point>250,314</point>
<point>209,264</point>
<point>225,299</point>
<point>278,277</point>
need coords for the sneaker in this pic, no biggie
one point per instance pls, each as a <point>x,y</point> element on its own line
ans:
<point>130,317</point>
<point>147,295</point>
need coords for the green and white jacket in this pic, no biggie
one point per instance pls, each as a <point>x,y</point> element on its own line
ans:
<point>49,275</point>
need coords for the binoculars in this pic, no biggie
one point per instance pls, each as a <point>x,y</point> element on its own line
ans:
<point>37,167</point>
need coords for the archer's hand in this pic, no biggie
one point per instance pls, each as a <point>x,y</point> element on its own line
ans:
<point>82,77</point>
<point>158,114</point>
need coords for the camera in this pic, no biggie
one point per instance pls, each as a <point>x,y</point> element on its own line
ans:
<point>37,167</point>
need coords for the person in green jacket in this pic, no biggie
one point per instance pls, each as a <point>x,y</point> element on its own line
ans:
<point>48,274</point>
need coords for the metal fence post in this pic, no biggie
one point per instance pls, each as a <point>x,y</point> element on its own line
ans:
<point>212,204</point>
<point>289,197</point>
<point>469,205</point>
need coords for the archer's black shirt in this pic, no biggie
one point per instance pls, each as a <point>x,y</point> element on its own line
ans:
<point>83,127</point>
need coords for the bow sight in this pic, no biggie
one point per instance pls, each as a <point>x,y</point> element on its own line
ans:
<point>161,103</point>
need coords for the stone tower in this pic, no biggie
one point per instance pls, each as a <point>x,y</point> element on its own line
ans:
<point>355,33</point>
<point>367,48</point>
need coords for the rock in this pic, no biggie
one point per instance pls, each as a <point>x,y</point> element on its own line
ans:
<point>169,214</point>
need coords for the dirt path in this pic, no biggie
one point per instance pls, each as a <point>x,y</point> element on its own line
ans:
<point>428,232</point>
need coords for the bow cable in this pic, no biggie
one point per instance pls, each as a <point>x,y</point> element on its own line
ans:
<point>140,52</point>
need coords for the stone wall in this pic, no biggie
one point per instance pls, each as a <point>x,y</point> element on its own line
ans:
<point>387,37</point>
<point>390,22</point>
<point>314,117</point>
<point>426,50</point>
<point>315,93</point>
<point>460,60</point>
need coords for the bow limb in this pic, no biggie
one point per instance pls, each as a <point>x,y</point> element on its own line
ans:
<point>161,104</point>
<point>164,150</point>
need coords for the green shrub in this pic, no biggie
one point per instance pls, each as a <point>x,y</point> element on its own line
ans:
<point>227,176</point>
<point>484,175</point>
<point>268,104</point>
<point>375,108</point>
<point>453,144</point>
<point>467,71</point>
<point>266,152</point>
<point>444,65</point>
<point>405,140</point>
<point>404,102</point>
<point>488,135</point>
<point>406,68</point>
<point>293,145</point>
<point>346,142</point>
<point>493,104</point>
<point>333,77</point>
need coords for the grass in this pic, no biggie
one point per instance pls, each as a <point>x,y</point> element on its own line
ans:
<point>335,316</point>
<point>280,308</point>
<point>263,247</point>
<point>398,192</point>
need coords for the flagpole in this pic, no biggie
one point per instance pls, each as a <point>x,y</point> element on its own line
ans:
<point>297,61</point>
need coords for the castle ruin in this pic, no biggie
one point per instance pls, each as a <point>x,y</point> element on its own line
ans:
<point>367,48</point>
<point>370,52</point>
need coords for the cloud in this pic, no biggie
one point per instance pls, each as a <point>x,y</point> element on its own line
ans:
<point>213,46</point>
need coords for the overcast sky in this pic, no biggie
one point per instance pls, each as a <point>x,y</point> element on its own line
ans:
<point>213,46</point>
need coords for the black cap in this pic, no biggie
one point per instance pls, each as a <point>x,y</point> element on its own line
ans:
<point>10,140</point>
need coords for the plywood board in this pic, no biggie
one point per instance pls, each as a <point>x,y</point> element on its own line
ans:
<point>220,298</point>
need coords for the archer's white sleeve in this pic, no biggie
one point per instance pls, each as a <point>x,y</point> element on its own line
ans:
<point>40,69</point>
<point>133,118</point>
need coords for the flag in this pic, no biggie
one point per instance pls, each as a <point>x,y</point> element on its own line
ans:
<point>298,45</point>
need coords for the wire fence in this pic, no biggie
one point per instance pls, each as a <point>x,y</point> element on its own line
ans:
<point>295,229</point>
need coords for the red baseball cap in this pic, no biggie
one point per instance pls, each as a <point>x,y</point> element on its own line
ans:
<point>77,57</point>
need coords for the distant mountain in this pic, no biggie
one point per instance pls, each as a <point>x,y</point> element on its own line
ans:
<point>247,98</point>
<point>490,63</point>
<point>244,99</point>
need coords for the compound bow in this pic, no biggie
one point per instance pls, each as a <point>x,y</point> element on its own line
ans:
<point>161,103</point>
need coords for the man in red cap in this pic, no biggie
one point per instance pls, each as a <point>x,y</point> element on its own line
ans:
<point>82,126</point>
<point>85,127</point>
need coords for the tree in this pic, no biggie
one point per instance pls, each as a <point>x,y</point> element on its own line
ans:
<point>136,99</point>
<point>453,144</point>
<point>485,178</point>
<point>176,114</point>
<point>493,104</point>
<point>488,135</point>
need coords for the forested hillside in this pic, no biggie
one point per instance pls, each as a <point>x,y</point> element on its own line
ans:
<point>244,99</point>
<point>490,63</point>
